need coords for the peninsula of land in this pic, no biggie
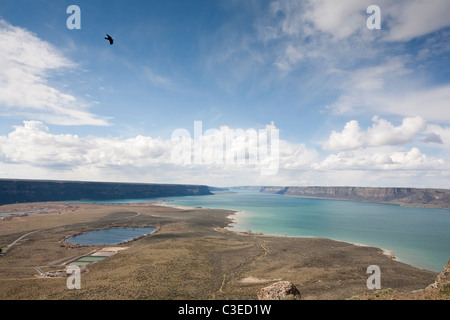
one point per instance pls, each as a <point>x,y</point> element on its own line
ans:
<point>194,255</point>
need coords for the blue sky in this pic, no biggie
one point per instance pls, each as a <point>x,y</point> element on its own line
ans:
<point>353,106</point>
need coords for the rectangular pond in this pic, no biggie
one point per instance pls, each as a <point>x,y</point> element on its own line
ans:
<point>110,236</point>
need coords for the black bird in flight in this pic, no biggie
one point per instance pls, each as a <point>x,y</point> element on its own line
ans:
<point>111,40</point>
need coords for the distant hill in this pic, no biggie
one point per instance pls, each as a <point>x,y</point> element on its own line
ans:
<point>246,188</point>
<point>212,189</point>
<point>414,197</point>
<point>19,191</point>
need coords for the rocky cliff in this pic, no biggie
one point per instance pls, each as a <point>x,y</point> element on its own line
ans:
<point>433,198</point>
<point>18,191</point>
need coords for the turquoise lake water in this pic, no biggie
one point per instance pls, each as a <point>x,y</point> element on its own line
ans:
<point>110,236</point>
<point>418,236</point>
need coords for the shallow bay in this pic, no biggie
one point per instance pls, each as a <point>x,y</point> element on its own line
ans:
<point>418,236</point>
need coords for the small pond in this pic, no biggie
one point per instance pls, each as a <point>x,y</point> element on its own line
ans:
<point>110,236</point>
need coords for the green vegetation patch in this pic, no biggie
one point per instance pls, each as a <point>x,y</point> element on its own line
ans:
<point>91,259</point>
<point>445,289</point>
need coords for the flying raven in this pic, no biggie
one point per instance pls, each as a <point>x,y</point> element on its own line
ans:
<point>111,40</point>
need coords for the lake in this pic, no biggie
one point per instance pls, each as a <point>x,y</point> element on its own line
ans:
<point>418,236</point>
<point>110,236</point>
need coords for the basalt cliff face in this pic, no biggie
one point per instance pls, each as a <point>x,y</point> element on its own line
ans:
<point>433,198</point>
<point>19,191</point>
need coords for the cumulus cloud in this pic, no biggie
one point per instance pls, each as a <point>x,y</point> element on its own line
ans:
<point>412,159</point>
<point>34,146</point>
<point>381,133</point>
<point>33,151</point>
<point>26,65</point>
<point>384,151</point>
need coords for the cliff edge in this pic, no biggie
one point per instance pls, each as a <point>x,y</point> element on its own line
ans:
<point>418,197</point>
<point>20,191</point>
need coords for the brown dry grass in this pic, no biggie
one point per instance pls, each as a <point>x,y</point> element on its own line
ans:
<point>192,256</point>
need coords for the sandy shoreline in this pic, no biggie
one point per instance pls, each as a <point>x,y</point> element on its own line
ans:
<point>56,207</point>
<point>165,203</point>
<point>387,252</point>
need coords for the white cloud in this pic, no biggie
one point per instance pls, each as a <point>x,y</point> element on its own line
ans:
<point>381,133</point>
<point>386,160</point>
<point>389,89</point>
<point>105,158</point>
<point>409,19</point>
<point>382,155</point>
<point>351,137</point>
<point>430,103</point>
<point>33,144</point>
<point>402,20</point>
<point>341,18</point>
<point>33,151</point>
<point>374,78</point>
<point>336,31</point>
<point>26,65</point>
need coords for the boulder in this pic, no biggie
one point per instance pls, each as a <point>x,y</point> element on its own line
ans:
<point>281,290</point>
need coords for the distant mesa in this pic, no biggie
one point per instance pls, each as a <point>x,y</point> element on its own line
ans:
<point>410,197</point>
<point>21,191</point>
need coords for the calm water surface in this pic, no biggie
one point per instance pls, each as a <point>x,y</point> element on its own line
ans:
<point>110,236</point>
<point>418,236</point>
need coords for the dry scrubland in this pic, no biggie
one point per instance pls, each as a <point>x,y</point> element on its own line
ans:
<point>192,256</point>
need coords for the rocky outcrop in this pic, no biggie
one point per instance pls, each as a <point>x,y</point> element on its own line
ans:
<point>433,198</point>
<point>281,290</point>
<point>442,283</point>
<point>19,191</point>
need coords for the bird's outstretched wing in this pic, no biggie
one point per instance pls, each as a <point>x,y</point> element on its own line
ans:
<point>111,40</point>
